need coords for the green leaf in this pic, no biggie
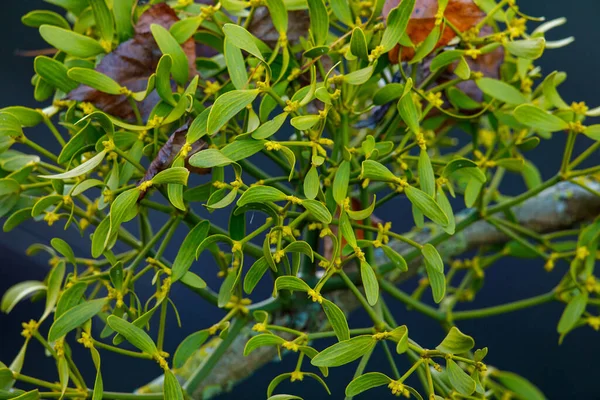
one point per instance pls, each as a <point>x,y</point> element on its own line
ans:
<point>365,382</point>
<point>27,116</point>
<point>437,281</point>
<point>311,183</point>
<point>63,373</point>
<point>54,73</point>
<point>19,292</point>
<point>397,21</point>
<point>539,119</point>
<point>133,334</point>
<point>9,125</point>
<point>241,149</point>
<point>409,112</point>
<point>369,280</point>
<point>243,39</point>
<point>461,163</point>
<point>172,388</point>
<point>192,280</point>
<point>187,252</point>
<point>184,29</point>
<point>459,379</point>
<point>254,274</point>
<point>358,44</point>
<point>427,46</point>
<point>82,169</point>
<point>360,76</point>
<point>463,70</point>
<point>395,258</point>
<point>456,342</point>
<point>529,49</point>
<point>176,175</point>
<point>168,45</point>
<point>70,42</point>
<point>189,346</point>
<point>236,66</point>
<point>461,100</point>
<point>209,158</point>
<point>123,209</point>
<point>318,210</point>
<point>259,194</point>
<point>37,18</point>
<point>337,319</point>
<point>593,132</point>
<point>104,19</point>
<point>265,339</point>
<point>445,58</point>
<point>291,283</point>
<point>95,79</point>
<point>446,207</point>
<point>426,175</point>
<point>279,15</point>
<point>16,219</point>
<point>163,79</point>
<point>74,317</point>
<point>400,335</point>
<point>549,89</point>
<point>319,21</point>
<point>432,257</point>
<point>227,106</point>
<point>376,171</point>
<point>98,384</point>
<point>344,352</point>
<point>226,289</point>
<point>123,10</point>
<point>69,298</point>
<point>270,127</point>
<point>340,182</point>
<point>501,91</point>
<point>426,205</point>
<point>341,10</point>
<point>388,93</point>
<point>347,231</point>
<point>520,386</point>
<point>572,313</point>
<point>55,279</point>
<point>305,122</point>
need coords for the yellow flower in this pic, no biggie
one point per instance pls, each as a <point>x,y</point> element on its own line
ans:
<point>315,296</point>
<point>435,99</point>
<point>296,376</point>
<point>51,217</point>
<point>87,108</point>
<point>145,186</point>
<point>579,108</point>
<point>290,346</point>
<point>291,106</point>
<point>359,253</point>
<point>376,53</point>
<point>398,389</point>
<point>473,53</point>
<point>259,327</point>
<point>582,252</point>
<point>29,328</point>
<point>272,146</point>
<point>517,27</point>
<point>211,88</point>
<point>293,199</point>
<point>381,336</point>
<point>86,340</point>
<point>594,322</point>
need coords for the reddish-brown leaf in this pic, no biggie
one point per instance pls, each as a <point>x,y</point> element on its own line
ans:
<point>132,63</point>
<point>463,14</point>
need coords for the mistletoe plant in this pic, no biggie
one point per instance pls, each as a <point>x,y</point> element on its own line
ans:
<point>307,115</point>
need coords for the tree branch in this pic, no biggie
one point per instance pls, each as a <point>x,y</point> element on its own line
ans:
<point>554,209</point>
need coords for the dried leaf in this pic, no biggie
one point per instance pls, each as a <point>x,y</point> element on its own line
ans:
<point>463,14</point>
<point>132,63</point>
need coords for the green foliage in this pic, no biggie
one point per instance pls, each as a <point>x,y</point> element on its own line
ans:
<point>351,108</point>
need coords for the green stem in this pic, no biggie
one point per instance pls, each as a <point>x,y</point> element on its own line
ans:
<point>136,110</point>
<point>118,350</point>
<point>54,131</point>
<point>378,321</point>
<point>505,308</point>
<point>39,149</point>
<point>410,301</point>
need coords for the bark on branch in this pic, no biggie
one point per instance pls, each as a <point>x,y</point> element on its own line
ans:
<point>559,207</point>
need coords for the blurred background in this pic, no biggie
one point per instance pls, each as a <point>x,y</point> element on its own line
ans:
<point>525,342</point>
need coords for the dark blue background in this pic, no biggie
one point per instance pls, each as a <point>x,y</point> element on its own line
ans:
<point>525,342</point>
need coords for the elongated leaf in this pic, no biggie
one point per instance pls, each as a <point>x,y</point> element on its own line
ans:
<point>243,39</point>
<point>71,42</point>
<point>291,283</point>
<point>19,292</point>
<point>572,312</point>
<point>74,317</point>
<point>456,342</point>
<point>344,352</point>
<point>172,388</point>
<point>133,334</point>
<point>318,210</point>
<point>369,280</point>
<point>365,382</point>
<point>319,21</point>
<point>189,346</point>
<point>259,194</point>
<point>227,106</point>
<point>340,182</point>
<point>397,22</point>
<point>187,252</point>
<point>501,90</point>
<point>265,339</point>
<point>168,45</point>
<point>539,119</point>
<point>84,168</point>
<point>255,273</point>
<point>459,379</point>
<point>337,319</point>
<point>427,205</point>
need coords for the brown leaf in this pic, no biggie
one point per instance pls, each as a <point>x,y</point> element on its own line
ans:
<point>167,153</point>
<point>132,63</point>
<point>262,26</point>
<point>463,14</point>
